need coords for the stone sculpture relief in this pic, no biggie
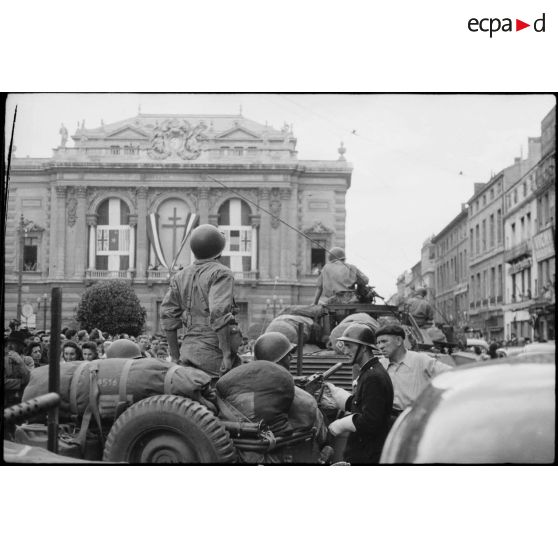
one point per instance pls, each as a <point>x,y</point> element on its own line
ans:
<point>176,137</point>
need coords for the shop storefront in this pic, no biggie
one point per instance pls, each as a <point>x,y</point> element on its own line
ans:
<point>544,307</point>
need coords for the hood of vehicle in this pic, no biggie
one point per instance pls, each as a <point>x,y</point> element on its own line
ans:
<point>499,412</point>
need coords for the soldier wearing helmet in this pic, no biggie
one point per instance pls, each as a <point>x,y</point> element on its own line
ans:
<point>369,407</point>
<point>123,348</point>
<point>274,347</point>
<point>200,298</point>
<point>337,277</point>
<point>420,309</point>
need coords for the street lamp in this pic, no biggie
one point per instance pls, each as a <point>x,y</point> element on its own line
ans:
<point>43,300</point>
<point>275,304</point>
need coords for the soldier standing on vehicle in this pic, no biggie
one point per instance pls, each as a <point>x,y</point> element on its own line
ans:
<point>371,403</point>
<point>410,371</point>
<point>421,309</point>
<point>200,298</point>
<point>337,277</point>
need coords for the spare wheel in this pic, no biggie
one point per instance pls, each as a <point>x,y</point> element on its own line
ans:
<point>168,429</point>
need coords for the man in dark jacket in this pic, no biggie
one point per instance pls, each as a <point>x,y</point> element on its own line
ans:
<point>370,405</point>
<point>200,298</point>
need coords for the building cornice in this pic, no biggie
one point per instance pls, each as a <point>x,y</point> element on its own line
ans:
<point>481,259</point>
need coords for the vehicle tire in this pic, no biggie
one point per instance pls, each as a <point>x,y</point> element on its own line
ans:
<point>168,429</point>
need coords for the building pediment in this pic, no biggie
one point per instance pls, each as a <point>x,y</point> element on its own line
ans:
<point>128,133</point>
<point>318,228</point>
<point>237,133</point>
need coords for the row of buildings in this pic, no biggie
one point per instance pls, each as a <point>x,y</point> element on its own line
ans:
<point>491,270</point>
<point>87,213</point>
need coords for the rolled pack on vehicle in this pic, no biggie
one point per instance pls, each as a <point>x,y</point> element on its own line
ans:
<point>287,324</point>
<point>258,391</point>
<point>116,383</point>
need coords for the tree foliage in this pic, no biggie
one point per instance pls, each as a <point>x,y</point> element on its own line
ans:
<point>111,306</point>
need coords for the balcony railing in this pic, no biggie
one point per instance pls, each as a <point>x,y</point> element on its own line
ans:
<point>157,275</point>
<point>162,275</point>
<point>101,275</point>
<point>515,252</point>
<point>246,275</point>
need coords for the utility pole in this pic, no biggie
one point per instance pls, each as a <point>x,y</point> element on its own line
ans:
<point>20,266</point>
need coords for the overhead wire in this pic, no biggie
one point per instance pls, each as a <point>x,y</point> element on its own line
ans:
<point>298,231</point>
<point>317,242</point>
<point>354,132</point>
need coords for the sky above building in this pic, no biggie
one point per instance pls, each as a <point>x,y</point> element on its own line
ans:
<point>415,157</point>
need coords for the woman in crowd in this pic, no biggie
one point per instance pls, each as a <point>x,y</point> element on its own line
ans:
<point>35,351</point>
<point>89,350</point>
<point>71,352</point>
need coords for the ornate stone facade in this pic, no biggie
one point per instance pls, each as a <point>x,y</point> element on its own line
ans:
<point>96,197</point>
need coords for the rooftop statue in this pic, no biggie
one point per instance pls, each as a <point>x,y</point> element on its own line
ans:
<point>63,135</point>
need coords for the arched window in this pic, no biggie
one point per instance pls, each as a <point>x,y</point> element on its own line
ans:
<point>112,249</point>
<point>240,250</point>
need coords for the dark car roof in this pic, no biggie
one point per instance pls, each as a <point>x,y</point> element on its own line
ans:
<point>499,411</point>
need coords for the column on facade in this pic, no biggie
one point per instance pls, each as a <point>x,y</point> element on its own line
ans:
<point>295,238</point>
<point>255,224</point>
<point>92,224</point>
<point>275,240</point>
<point>80,251</point>
<point>53,219</point>
<point>142,243</point>
<point>60,241</point>
<point>203,205</point>
<point>264,236</point>
<point>288,242</point>
<point>132,258</point>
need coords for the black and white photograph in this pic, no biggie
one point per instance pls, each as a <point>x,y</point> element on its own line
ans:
<point>279,279</point>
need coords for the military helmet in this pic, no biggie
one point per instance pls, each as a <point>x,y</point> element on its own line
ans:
<point>360,334</point>
<point>336,253</point>
<point>123,348</point>
<point>207,242</point>
<point>272,346</point>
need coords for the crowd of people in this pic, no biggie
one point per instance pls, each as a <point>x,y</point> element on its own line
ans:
<point>34,345</point>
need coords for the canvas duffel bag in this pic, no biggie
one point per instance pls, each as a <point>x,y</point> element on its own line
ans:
<point>260,391</point>
<point>117,383</point>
